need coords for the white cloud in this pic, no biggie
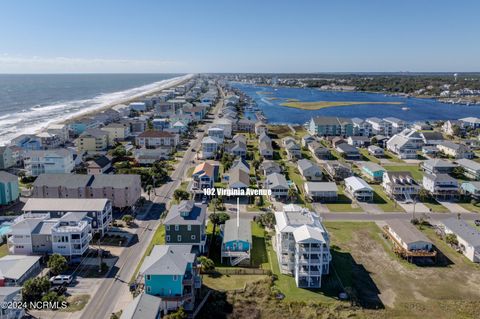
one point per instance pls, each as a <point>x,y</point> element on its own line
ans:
<point>35,64</point>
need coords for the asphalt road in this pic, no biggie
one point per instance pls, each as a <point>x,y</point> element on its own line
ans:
<point>102,304</point>
<point>389,216</point>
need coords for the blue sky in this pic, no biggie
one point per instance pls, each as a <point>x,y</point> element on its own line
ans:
<point>56,36</point>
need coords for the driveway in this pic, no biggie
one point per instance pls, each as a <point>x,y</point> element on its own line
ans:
<point>419,207</point>
<point>454,207</point>
<point>370,208</point>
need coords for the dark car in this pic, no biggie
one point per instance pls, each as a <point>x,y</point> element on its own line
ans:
<point>477,222</point>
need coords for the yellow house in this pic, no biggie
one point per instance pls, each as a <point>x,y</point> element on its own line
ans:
<point>117,131</point>
<point>92,140</point>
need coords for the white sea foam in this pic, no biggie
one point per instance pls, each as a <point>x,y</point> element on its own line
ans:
<point>37,118</point>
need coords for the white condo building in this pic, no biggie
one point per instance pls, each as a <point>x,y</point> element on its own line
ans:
<point>302,245</point>
<point>52,161</point>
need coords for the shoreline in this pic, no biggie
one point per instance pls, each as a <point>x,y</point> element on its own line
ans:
<point>126,101</point>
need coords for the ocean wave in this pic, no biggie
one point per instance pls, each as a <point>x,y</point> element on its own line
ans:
<point>37,118</point>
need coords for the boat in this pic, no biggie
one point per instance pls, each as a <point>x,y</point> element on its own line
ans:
<point>405,108</point>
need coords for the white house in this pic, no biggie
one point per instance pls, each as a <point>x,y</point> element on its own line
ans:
<point>358,188</point>
<point>407,236</point>
<point>441,186</point>
<point>405,144</point>
<point>48,161</point>
<point>467,236</point>
<point>302,246</point>
<point>210,147</point>
<point>400,185</point>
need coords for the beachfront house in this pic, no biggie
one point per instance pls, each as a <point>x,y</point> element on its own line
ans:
<point>117,131</point>
<point>358,189</point>
<point>302,246</point>
<point>92,140</point>
<point>6,157</point>
<point>9,190</point>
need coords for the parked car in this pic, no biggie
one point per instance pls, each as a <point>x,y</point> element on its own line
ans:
<point>61,279</point>
<point>60,289</point>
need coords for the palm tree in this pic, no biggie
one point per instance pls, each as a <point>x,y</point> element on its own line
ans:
<point>292,194</point>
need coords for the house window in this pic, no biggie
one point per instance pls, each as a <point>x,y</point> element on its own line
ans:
<point>148,288</point>
<point>148,277</point>
<point>179,238</point>
<point>189,227</point>
<point>167,227</point>
<point>168,238</point>
<point>193,237</point>
<point>175,277</point>
<point>176,227</point>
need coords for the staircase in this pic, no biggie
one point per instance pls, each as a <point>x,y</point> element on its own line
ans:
<point>235,261</point>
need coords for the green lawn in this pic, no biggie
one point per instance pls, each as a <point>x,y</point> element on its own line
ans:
<point>286,284</point>
<point>229,282</point>
<point>392,157</point>
<point>3,250</point>
<point>157,239</point>
<point>414,170</point>
<point>258,253</point>
<point>469,206</point>
<point>435,206</point>
<point>343,204</point>
<point>383,201</point>
<point>368,156</point>
<point>295,177</point>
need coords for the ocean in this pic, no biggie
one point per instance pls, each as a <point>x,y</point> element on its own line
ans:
<point>29,103</point>
<point>268,99</point>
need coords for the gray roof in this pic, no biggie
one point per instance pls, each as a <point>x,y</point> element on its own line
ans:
<point>469,164</point>
<point>193,214</point>
<point>7,177</point>
<point>271,164</point>
<point>238,175</point>
<point>142,306</point>
<point>440,177</point>
<point>232,233</point>
<point>437,136</point>
<point>277,180</point>
<point>321,186</point>
<point>462,229</point>
<point>305,164</point>
<point>373,167</point>
<point>44,227</point>
<point>15,266</point>
<point>438,163</point>
<point>168,260</point>
<point>347,148</point>
<point>407,232</point>
<point>67,180</point>
<point>453,146</point>
<point>65,204</point>
<point>7,291</point>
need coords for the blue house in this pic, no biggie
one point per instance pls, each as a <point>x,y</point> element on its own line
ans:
<point>9,191</point>
<point>471,188</point>
<point>236,240</point>
<point>28,142</point>
<point>373,171</point>
<point>170,272</point>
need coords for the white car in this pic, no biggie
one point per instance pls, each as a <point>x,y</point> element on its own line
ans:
<point>61,279</point>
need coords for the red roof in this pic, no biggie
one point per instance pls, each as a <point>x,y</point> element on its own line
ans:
<point>156,134</point>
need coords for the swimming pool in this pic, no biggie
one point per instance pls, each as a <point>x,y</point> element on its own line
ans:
<point>4,228</point>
